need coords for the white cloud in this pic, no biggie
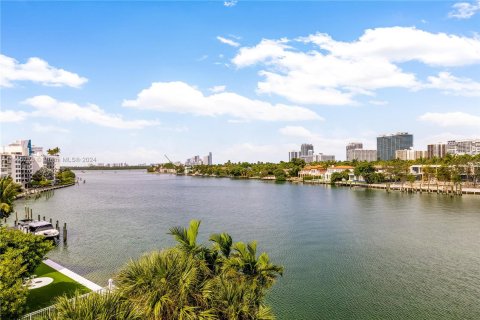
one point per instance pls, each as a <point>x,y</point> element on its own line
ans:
<point>48,129</point>
<point>12,116</point>
<point>36,70</point>
<point>230,3</point>
<point>297,132</point>
<point>335,72</point>
<point>217,89</point>
<point>454,85</point>
<point>402,44</point>
<point>230,42</point>
<point>464,10</point>
<point>180,97</point>
<point>47,106</point>
<point>451,119</point>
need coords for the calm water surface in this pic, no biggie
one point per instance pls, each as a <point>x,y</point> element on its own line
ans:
<point>348,253</point>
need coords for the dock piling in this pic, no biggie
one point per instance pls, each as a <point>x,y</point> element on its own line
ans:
<point>65,233</point>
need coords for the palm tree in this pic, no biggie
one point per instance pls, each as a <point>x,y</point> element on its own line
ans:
<point>235,300</point>
<point>169,284</point>
<point>259,270</point>
<point>222,243</point>
<point>8,191</point>
<point>187,238</point>
<point>105,306</point>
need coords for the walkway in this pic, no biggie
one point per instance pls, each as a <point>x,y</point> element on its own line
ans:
<point>69,273</point>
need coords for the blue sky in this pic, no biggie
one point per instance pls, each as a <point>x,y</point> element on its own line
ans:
<point>131,81</point>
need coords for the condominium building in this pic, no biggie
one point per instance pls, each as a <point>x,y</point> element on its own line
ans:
<point>388,144</point>
<point>306,149</point>
<point>197,160</point>
<point>460,147</point>
<point>324,157</point>
<point>293,155</point>
<point>353,146</point>
<point>207,159</point>
<point>20,160</point>
<point>362,155</point>
<point>410,154</point>
<point>437,150</point>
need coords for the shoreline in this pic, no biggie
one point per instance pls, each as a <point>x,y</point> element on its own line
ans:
<point>445,188</point>
<point>38,191</point>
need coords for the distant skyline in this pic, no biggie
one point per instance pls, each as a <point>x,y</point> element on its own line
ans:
<point>248,81</point>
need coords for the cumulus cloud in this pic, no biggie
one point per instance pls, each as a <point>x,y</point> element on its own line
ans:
<point>451,119</point>
<point>297,132</point>
<point>464,10</point>
<point>180,97</point>
<point>454,85</point>
<point>36,70</point>
<point>12,116</point>
<point>46,106</point>
<point>217,89</point>
<point>335,72</point>
<point>230,42</point>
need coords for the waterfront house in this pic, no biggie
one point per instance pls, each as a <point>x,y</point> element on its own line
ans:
<point>339,169</point>
<point>316,172</point>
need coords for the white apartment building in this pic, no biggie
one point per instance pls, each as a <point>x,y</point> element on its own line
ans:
<point>361,155</point>
<point>408,154</point>
<point>20,161</point>
<point>460,147</point>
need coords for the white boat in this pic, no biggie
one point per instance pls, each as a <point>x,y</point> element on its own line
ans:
<point>39,228</point>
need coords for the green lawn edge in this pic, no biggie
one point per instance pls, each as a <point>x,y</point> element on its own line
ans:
<point>61,285</point>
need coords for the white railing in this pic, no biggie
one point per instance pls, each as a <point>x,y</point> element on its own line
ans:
<point>45,313</point>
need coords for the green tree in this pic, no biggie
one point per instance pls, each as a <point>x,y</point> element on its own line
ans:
<point>177,283</point>
<point>53,152</point>
<point>43,174</point>
<point>20,254</point>
<point>8,191</point>
<point>363,168</point>
<point>106,306</point>
<point>65,176</point>
<point>280,175</point>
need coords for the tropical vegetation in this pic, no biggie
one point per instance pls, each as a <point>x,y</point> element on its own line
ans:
<point>8,191</point>
<point>20,254</point>
<point>223,280</point>
<point>447,169</point>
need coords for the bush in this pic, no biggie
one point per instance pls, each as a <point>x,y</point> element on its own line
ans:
<point>20,255</point>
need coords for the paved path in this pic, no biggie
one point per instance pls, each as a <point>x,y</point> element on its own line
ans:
<point>69,273</point>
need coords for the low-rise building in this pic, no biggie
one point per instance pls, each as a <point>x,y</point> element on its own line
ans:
<point>317,172</point>
<point>339,169</point>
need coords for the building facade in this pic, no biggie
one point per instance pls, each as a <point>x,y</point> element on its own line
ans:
<point>438,150</point>
<point>388,144</point>
<point>362,155</point>
<point>20,160</point>
<point>306,149</point>
<point>197,160</point>
<point>293,155</point>
<point>353,146</point>
<point>461,147</point>
<point>410,154</point>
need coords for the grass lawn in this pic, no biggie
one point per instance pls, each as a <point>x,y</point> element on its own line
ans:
<point>45,296</point>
